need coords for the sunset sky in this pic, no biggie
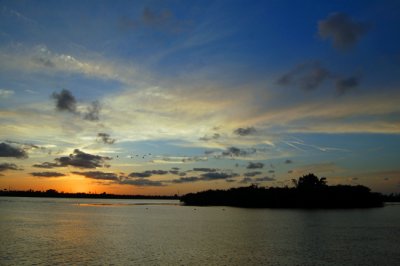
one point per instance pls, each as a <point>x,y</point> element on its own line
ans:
<point>166,97</point>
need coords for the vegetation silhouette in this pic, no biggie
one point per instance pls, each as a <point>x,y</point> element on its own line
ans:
<point>52,193</point>
<point>309,192</point>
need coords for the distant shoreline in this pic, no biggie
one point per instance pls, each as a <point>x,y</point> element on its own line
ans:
<point>55,194</point>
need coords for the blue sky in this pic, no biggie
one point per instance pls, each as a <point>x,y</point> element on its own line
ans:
<point>230,92</point>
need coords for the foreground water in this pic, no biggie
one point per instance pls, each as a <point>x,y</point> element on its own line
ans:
<point>46,231</point>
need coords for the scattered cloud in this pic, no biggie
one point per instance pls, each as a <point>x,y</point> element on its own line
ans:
<point>8,166</point>
<point>251,174</point>
<point>46,165</point>
<point>265,178</point>
<point>257,165</point>
<point>99,175</point>
<point>288,161</point>
<point>92,112</point>
<point>163,20</point>
<point>148,173</point>
<point>342,29</point>
<point>217,175</point>
<point>81,159</point>
<point>5,93</point>
<point>215,136</point>
<point>65,101</point>
<point>7,150</point>
<point>345,85</point>
<point>307,76</point>
<point>236,152</point>
<point>141,183</point>
<point>105,138</point>
<point>47,174</point>
<point>245,131</point>
<point>189,179</point>
<point>210,170</point>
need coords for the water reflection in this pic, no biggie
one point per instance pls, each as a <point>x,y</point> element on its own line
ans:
<point>130,232</point>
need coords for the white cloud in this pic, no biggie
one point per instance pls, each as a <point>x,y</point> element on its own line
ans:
<point>4,93</point>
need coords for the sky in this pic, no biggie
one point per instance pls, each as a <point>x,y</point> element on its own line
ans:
<point>172,97</point>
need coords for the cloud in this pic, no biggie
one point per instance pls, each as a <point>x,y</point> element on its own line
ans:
<point>245,131</point>
<point>215,136</point>
<point>81,159</point>
<point>92,112</point>
<point>235,152</point>
<point>205,169</point>
<point>163,20</point>
<point>217,175</point>
<point>8,166</point>
<point>265,178</point>
<point>288,161</point>
<point>46,165</point>
<point>65,101</point>
<point>306,76</point>
<point>251,174</point>
<point>141,183</point>
<point>256,180</point>
<point>148,173</point>
<point>5,93</point>
<point>7,150</point>
<point>345,85</point>
<point>99,175</point>
<point>47,174</point>
<point>257,165</point>
<point>105,138</point>
<point>342,29</point>
<point>189,179</point>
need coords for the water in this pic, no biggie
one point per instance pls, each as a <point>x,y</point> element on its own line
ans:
<point>45,231</point>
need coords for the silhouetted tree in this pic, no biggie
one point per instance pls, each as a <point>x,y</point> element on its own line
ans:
<point>309,181</point>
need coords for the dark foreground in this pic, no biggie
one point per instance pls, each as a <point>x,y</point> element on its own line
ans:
<point>309,192</point>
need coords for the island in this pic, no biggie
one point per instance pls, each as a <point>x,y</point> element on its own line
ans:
<point>309,191</point>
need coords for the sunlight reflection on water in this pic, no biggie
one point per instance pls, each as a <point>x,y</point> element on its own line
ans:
<point>142,232</point>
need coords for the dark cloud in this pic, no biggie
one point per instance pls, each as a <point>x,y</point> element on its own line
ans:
<point>141,183</point>
<point>306,76</point>
<point>7,150</point>
<point>217,175</point>
<point>175,168</point>
<point>47,174</point>
<point>245,131</point>
<point>246,180</point>
<point>271,171</point>
<point>257,165</point>
<point>92,112</point>
<point>234,152</point>
<point>256,180</point>
<point>163,20</point>
<point>99,175</point>
<point>215,136</point>
<point>186,180</point>
<point>345,85</point>
<point>251,174</point>
<point>46,165</point>
<point>288,161</point>
<point>65,101</point>
<point>205,169</point>
<point>148,173</point>
<point>8,166</point>
<point>174,172</point>
<point>290,171</point>
<point>342,29</point>
<point>81,159</point>
<point>105,138</point>
<point>265,178</point>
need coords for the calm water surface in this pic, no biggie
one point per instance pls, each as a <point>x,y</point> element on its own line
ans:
<point>43,231</point>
